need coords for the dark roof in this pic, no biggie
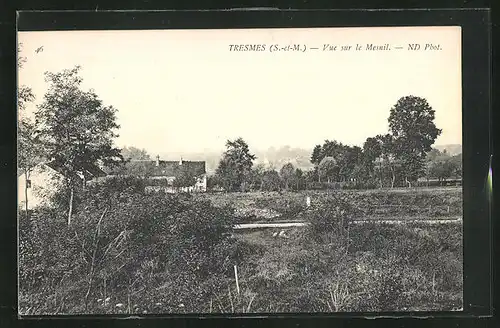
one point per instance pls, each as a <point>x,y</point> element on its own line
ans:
<point>165,168</point>
<point>91,170</point>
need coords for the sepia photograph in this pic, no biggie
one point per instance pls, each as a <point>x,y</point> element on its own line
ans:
<point>240,171</point>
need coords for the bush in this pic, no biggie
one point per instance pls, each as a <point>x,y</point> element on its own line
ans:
<point>332,215</point>
<point>124,244</point>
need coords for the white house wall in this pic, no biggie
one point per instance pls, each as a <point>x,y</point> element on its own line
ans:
<point>44,183</point>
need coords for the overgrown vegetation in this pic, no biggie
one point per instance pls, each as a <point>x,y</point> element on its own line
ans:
<point>128,252</point>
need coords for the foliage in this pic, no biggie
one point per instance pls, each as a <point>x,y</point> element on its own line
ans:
<point>392,159</point>
<point>76,129</point>
<point>29,152</point>
<point>185,177</point>
<point>135,153</point>
<point>411,122</point>
<point>235,164</point>
<point>271,180</point>
<point>125,245</point>
<point>332,217</point>
<point>328,168</point>
<point>168,254</point>
<point>442,166</point>
<point>287,174</point>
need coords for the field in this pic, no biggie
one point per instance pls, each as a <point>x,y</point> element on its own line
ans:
<point>131,253</point>
<point>410,266</point>
<point>390,204</point>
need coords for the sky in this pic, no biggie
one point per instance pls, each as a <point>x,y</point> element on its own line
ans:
<point>185,91</point>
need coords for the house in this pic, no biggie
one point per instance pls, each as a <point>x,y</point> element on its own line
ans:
<point>45,179</point>
<point>170,176</point>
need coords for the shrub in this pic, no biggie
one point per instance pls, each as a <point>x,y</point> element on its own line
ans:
<point>332,216</point>
<point>124,244</point>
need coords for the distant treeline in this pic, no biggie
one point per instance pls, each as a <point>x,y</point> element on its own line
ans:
<point>402,157</point>
<point>441,169</point>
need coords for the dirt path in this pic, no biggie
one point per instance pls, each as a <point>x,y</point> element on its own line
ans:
<point>302,224</point>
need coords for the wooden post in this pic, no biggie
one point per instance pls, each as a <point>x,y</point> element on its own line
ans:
<point>236,278</point>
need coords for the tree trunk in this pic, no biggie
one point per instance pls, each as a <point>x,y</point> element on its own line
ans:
<point>393,179</point>
<point>408,182</point>
<point>26,193</point>
<point>70,211</point>
<point>381,177</point>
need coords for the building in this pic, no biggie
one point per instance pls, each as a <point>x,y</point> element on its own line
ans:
<point>45,179</point>
<point>170,176</point>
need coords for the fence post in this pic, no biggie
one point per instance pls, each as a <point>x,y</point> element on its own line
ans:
<point>236,278</point>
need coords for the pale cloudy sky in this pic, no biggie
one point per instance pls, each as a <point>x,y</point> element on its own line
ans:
<point>184,91</point>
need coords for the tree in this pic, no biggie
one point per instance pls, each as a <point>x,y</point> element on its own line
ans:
<point>371,151</point>
<point>433,154</point>
<point>388,154</point>
<point>328,168</point>
<point>287,174</point>
<point>76,129</point>
<point>271,180</point>
<point>457,165</point>
<point>255,176</point>
<point>310,177</point>
<point>298,178</point>
<point>348,159</point>
<point>135,153</point>
<point>411,122</point>
<point>443,166</point>
<point>316,155</point>
<point>332,149</point>
<point>28,145</point>
<point>235,164</point>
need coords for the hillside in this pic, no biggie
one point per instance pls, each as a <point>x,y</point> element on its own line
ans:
<point>273,157</point>
<point>452,149</point>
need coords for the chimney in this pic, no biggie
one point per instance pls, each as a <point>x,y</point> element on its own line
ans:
<point>157,160</point>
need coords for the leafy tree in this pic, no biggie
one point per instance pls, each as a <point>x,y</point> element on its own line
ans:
<point>29,152</point>
<point>130,166</point>
<point>328,168</point>
<point>310,177</point>
<point>442,166</point>
<point>287,174</point>
<point>433,154</point>
<point>298,178</point>
<point>254,178</point>
<point>371,151</point>
<point>212,182</point>
<point>411,122</point>
<point>388,154</point>
<point>235,164</point>
<point>349,158</point>
<point>76,129</point>
<point>457,165</point>
<point>135,153</point>
<point>271,180</point>
<point>329,148</point>
<point>316,155</point>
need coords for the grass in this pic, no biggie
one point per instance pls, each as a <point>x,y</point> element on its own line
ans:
<point>386,268</point>
<point>399,204</point>
<point>409,267</point>
<point>374,267</point>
